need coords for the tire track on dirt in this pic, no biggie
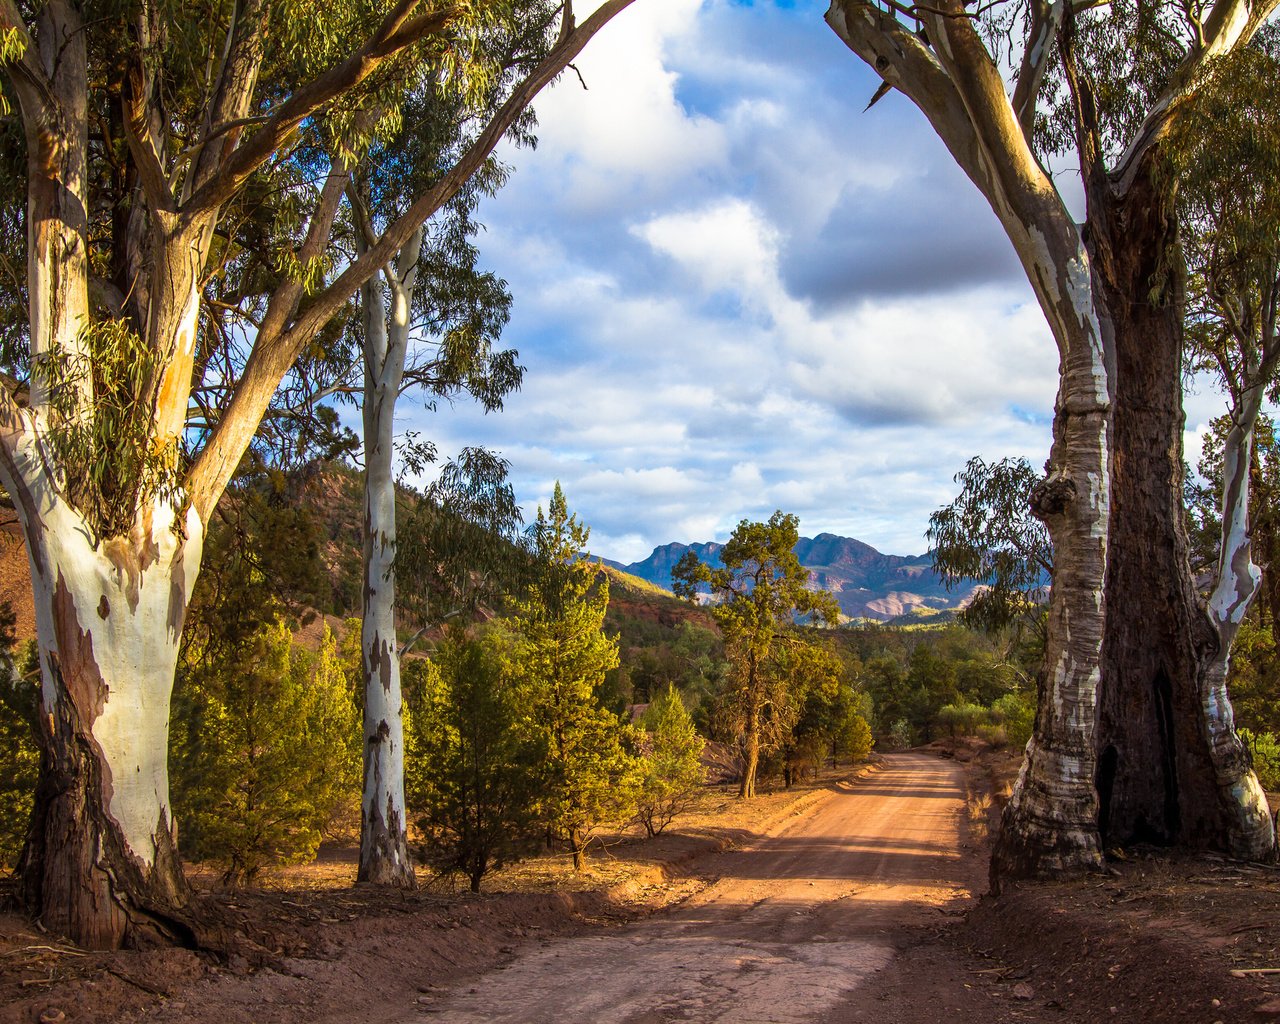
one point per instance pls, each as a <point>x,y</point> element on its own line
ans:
<point>794,923</point>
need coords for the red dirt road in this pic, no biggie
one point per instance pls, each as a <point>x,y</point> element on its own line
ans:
<point>793,927</point>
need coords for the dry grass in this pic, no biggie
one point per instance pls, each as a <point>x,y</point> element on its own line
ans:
<point>622,860</point>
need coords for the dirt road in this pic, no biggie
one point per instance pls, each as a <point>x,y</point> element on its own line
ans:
<point>792,927</point>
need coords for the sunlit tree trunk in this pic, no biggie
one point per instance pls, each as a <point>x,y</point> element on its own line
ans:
<point>384,848</point>
<point>101,861</point>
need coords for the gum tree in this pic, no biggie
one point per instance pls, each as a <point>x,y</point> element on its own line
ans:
<point>1127,744</point>
<point>1225,152</point>
<point>154,133</point>
<point>429,324</point>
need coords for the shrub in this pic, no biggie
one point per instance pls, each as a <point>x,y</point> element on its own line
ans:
<point>19,708</point>
<point>670,770</point>
<point>264,749</point>
<point>1265,749</point>
<point>472,774</point>
<point>1017,713</point>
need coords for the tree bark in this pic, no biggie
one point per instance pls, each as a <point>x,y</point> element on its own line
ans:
<point>100,864</point>
<point>751,735</point>
<point>384,845</point>
<point>1170,769</point>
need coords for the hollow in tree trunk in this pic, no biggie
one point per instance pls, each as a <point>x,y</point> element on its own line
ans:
<point>1169,767</point>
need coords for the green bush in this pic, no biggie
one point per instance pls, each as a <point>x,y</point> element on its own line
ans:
<point>19,755</point>
<point>962,719</point>
<point>670,770</point>
<point>264,748</point>
<point>1265,749</point>
<point>1017,713</point>
<point>471,774</point>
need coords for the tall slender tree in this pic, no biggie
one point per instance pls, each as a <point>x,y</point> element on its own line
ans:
<point>156,137</point>
<point>559,665</point>
<point>433,289</point>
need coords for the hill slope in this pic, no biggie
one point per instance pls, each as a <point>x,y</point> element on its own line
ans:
<point>866,583</point>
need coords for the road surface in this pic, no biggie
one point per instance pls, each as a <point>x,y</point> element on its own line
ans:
<point>793,925</point>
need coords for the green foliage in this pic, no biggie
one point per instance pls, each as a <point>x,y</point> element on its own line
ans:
<point>962,719</point>
<point>112,463</point>
<point>760,589</point>
<point>912,676</point>
<point>1223,150</point>
<point>264,749</point>
<point>1265,749</point>
<point>458,545</point>
<point>670,768</point>
<point>901,735</point>
<point>853,740</point>
<point>1016,713</point>
<point>988,535</point>
<point>1254,676</point>
<point>825,707</point>
<point>560,658</point>
<point>472,769</point>
<point>654,652</point>
<point>19,753</point>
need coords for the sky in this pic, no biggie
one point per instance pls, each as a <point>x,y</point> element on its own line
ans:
<point>735,292</point>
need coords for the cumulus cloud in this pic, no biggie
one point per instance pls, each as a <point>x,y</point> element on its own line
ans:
<point>735,293</point>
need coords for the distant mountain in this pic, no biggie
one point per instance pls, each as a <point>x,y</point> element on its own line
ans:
<point>866,583</point>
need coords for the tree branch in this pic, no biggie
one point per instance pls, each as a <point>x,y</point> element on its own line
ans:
<point>1231,24</point>
<point>1046,22</point>
<point>274,352</point>
<point>396,32</point>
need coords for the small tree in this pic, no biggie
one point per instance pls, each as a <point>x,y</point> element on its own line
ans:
<point>671,762</point>
<point>852,739</point>
<point>761,588</point>
<point>560,660</point>
<point>263,752</point>
<point>472,770</point>
<point>988,535</point>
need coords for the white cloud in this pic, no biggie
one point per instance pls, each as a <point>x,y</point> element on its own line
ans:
<point>735,293</point>
<point>626,135</point>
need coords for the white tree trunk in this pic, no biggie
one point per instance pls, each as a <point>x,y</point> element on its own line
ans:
<point>1050,822</point>
<point>1252,833</point>
<point>384,848</point>
<point>101,860</point>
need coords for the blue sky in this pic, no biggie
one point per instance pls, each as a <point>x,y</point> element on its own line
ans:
<point>735,292</point>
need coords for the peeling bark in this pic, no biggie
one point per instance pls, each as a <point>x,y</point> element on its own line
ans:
<point>100,864</point>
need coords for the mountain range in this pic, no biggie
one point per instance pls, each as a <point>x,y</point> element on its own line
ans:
<point>866,583</point>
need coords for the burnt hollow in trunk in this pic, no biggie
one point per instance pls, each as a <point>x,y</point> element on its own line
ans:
<point>1159,786</point>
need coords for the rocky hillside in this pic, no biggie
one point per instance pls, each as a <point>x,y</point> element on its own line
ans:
<point>867,584</point>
